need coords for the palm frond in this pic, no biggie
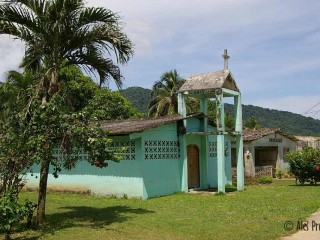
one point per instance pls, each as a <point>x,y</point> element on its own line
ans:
<point>91,15</point>
<point>93,60</point>
<point>21,17</point>
<point>164,92</point>
<point>37,6</point>
<point>33,58</point>
<point>59,30</point>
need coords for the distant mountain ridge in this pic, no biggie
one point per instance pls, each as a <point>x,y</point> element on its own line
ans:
<point>290,123</point>
<point>140,97</point>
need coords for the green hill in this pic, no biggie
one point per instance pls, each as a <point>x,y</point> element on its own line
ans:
<point>140,97</point>
<point>290,123</point>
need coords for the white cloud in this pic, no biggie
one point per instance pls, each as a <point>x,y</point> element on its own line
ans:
<point>139,33</point>
<point>11,53</point>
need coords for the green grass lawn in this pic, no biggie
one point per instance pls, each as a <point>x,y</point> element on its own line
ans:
<point>259,212</point>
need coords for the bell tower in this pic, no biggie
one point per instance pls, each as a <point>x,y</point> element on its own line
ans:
<point>217,85</point>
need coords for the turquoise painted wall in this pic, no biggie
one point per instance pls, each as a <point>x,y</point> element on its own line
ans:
<point>208,157</point>
<point>161,161</point>
<point>144,177</point>
<point>200,142</point>
<point>193,125</point>
<point>154,168</point>
<point>117,179</point>
<point>212,161</point>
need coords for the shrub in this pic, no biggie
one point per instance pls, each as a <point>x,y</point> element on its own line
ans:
<point>265,179</point>
<point>279,174</point>
<point>305,165</point>
<point>12,212</point>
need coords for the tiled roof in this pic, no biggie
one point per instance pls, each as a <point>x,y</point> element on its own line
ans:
<point>251,135</point>
<point>124,127</point>
<point>130,126</point>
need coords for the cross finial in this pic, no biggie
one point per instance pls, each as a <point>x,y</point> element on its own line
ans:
<point>226,57</point>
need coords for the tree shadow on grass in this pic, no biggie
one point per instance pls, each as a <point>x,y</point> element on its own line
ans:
<point>90,217</point>
<point>304,185</point>
<point>82,216</point>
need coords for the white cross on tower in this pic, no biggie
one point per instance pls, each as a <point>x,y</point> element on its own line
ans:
<point>226,57</point>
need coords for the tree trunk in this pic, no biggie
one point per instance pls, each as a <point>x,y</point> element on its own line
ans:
<point>42,192</point>
<point>45,164</point>
<point>7,237</point>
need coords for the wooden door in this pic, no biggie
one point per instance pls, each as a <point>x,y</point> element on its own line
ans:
<point>193,166</point>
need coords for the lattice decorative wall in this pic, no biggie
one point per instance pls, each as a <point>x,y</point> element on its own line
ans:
<point>81,154</point>
<point>213,149</point>
<point>130,152</point>
<point>156,149</point>
<point>263,171</point>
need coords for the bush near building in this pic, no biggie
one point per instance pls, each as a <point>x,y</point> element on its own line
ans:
<point>305,165</point>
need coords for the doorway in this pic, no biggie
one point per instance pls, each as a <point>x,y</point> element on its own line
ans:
<point>193,166</point>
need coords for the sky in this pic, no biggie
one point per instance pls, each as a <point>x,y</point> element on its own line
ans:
<point>274,46</point>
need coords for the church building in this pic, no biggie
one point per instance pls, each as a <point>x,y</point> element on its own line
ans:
<point>169,154</point>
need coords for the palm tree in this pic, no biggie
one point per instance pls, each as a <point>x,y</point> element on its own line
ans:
<point>15,92</point>
<point>164,94</point>
<point>229,120</point>
<point>59,33</point>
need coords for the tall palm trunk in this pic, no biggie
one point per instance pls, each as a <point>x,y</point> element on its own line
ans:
<point>44,172</point>
<point>45,163</point>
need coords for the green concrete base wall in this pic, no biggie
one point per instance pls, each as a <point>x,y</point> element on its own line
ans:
<point>94,184</point>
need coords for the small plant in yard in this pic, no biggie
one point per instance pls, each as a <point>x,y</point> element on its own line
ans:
<point>219,193</point>
<point>229,186</point>
<point>305,165</point>
<point>265,179</point>
<point>279,174</point>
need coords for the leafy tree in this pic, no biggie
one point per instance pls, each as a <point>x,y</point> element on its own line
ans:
<point>24,143</point>
<point>78,88</point>
<point>107,105</point>
<point>164,94</point>
<point>251,123</point>
<point>229,120</point>
<point>15,94</point>
<point>61,119</point>
<point>14,159</point>
<point>57,34</point>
